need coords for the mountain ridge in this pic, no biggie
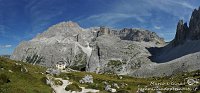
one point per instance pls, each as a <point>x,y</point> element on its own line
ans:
<point>92,49</point>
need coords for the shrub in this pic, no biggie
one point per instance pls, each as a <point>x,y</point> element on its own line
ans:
<point>35,59</point>
<point>122,91</point>
<point>4,79</point>
<point>44,80</point>
<point>79,67</point>
<point>128,88</point>
<point>96,86</point>
<point>115,63</point>
<point>58,82</point>
<point>73,87</point>
<point>16,68</point>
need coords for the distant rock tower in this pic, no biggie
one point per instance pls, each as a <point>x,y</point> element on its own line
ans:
<point>103,31</point>
<point>194,25</point>
<point>183,32</point>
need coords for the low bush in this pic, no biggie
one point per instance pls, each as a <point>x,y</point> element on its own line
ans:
<point>4,79</point>
<point>73,87</point>
<point>58,82</point>
<point>123,91</point>
<point>96,86</point>
<point>79,67</point>
<point>44,80</point>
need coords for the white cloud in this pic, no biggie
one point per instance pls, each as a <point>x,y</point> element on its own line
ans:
<point>5,46</point>
<point>139,10</point>
<point>174,7</point>
<point>111,18</point>
<point>157,27</point>
<point>185,4</point>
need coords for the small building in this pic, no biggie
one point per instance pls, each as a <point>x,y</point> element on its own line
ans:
<point>61,65</point>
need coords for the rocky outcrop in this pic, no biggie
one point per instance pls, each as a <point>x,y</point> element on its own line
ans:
<point>103,31</point>
<point>140,35</point>
<point>113,55</point>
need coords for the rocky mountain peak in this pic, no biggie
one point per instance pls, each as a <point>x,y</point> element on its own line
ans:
<point>65,29</point>
<point>71,24</point>
<point>63,25</point>
<point>66,24</point>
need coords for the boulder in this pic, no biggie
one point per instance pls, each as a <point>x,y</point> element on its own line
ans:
<point>87,79</point>
<point>53,71</point>
<point>116,85</point>
<point>109,89</point>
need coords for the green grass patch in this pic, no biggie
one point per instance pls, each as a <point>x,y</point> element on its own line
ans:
<point>58,82</point>
<point>19,81</point>
<point>73,87</point>
<point>130,84</point>
<point>33,81</point>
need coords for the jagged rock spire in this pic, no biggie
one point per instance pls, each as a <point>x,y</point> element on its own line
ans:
<point>181,33</point>
<point>184,32</point>
<point>194,25</point>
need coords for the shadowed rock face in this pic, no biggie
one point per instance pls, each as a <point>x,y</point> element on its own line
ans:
<point>184,41</point>
<point>194,25</point>
<point>96,49</point>
<point>180,55</point>
<point>184,33</point>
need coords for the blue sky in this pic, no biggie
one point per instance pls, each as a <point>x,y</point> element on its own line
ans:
<point>23,19</point>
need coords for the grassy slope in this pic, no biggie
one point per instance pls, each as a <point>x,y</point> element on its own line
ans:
<point>31,81</point>
<point>22,82</point>
<point>132,82</point>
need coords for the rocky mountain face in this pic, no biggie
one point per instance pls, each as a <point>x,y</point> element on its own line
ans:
<point>97,50</point>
